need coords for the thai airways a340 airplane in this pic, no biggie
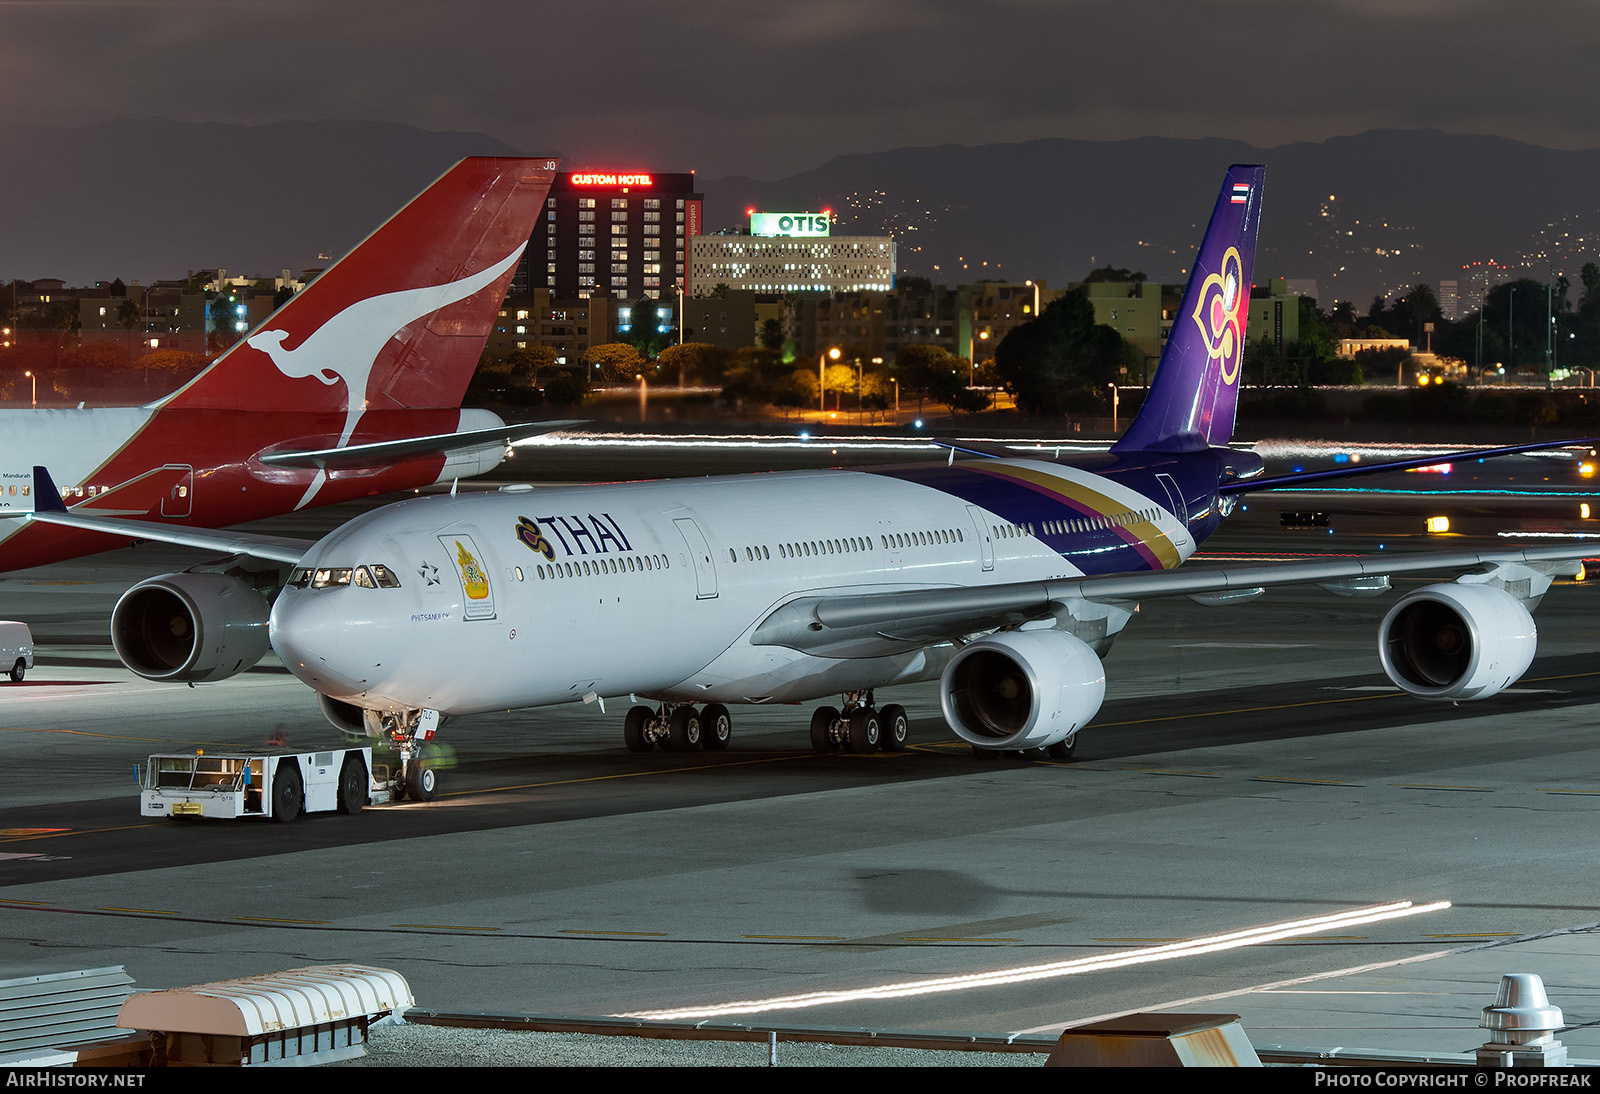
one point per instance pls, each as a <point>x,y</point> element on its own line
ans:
<point>1005,579</point>
<point>352,388</point>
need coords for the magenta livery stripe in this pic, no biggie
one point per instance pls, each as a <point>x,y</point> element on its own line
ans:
<point>1076,496</point>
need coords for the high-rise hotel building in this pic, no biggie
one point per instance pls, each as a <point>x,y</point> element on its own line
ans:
<point>616,234</point>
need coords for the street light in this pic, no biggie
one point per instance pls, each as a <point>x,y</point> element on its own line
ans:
<point>1511,330</point>
<point>35,380</point>
<point>1114,402</point>
<point>822,379</point>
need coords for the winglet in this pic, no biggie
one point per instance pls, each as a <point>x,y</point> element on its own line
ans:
<point>46,498</point>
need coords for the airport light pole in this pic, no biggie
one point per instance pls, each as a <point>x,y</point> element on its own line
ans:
<point>1114,402</point>
<point>822,379</point>
<point>1511,330</point>
<point>29,374</point>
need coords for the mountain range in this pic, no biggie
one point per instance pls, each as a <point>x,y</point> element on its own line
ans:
<point>1360,215</point>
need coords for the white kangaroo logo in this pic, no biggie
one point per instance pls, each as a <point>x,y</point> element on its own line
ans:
<point>346,347</point>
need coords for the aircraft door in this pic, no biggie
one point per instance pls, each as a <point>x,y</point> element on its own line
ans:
<point>984,543</point>
<point>705,571</point>
<point>1174,498</point>
<point>178,501</point>
<point>473,572</point>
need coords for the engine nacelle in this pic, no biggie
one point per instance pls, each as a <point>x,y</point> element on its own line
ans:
<point>350,718</point>
<point>1022,689</point>
<point>190,628</point>
<point>1457,641</point>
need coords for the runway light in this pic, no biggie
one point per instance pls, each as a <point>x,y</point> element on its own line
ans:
<point>1438,524</point>
<point>1583,510</point>
<point>1251,936</point>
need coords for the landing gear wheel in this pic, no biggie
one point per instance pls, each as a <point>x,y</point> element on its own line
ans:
<point>18,671</point>
<point>633,729</point>
<point>683,729</point>
<point>979,753</point>
<point>1063,750</point>
<point>864,730</point>
<point>352,785</point>
<point>716,727</point>
<point>822,720</point>
<point>288,792</point>
<point>422,782</point>
<point>895,727</point>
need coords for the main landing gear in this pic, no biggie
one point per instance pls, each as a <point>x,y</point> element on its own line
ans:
<point>860,727</point>
<point>678,727</point>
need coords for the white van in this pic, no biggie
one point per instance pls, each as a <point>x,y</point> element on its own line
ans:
<point>16,649</point>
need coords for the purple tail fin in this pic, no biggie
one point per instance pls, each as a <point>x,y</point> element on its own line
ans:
<point>1192,400</point>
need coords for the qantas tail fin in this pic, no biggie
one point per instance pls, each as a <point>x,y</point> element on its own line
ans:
<point>1192,400</point>
<point>400,321</point>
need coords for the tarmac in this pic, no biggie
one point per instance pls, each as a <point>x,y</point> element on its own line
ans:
<point>1419,1011</point>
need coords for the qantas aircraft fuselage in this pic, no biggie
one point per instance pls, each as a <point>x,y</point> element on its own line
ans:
<point>201,468</point>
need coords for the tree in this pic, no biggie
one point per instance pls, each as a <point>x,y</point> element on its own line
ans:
<point>1062,361</point>
<point>1115,274</point>
<point>692,362</point>
<point>644,333</point>
<point>567,388</point>
<point>797,391</point>
<point>524,365</point>
<point>837,380</point>
<point>129,316</point>
<point>614,361</point>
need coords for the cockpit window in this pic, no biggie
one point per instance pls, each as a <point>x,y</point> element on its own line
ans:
<point>384,576</point>
<point>300,578</point>
<point>327,576</point>
<point>363,578</point>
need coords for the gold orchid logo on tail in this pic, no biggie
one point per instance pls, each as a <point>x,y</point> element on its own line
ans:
<point>1220,315</point>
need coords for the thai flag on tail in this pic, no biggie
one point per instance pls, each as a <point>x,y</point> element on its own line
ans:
<point>1241,193</point>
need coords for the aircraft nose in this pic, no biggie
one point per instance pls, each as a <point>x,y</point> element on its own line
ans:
<point>306,630</point>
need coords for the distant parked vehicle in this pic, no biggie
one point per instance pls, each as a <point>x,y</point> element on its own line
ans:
<point>16,649</point>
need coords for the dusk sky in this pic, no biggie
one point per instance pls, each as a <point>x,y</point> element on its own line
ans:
<point>731,87</point>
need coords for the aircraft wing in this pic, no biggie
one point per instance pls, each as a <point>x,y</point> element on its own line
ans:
<point>382,452</point>
<point>876,624</point>
<point>50,509</point>
<point>1299,479</point>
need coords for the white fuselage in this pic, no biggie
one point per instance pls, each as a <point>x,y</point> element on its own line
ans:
<point>528,597</point>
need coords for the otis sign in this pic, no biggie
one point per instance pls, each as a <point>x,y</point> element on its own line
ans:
<point>791,224</point>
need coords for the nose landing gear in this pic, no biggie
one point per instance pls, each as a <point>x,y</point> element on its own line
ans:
<point>414,778</point>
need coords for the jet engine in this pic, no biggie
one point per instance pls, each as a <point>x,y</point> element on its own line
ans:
<point>1022,689</point>
<point>190,627</point>
<point>349,718</point>
<point>1457,641</point>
